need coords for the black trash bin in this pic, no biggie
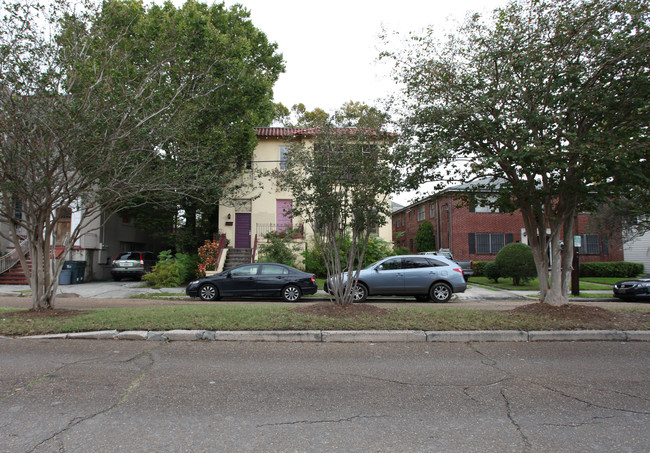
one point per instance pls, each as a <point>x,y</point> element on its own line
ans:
<point>65,277</point>
<point>77,269</point>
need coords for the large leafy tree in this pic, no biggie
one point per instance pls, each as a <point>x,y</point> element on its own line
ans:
<point>101,108</point>
<point>217,138</point>
<point>341,179</point>
<point>551,97</point>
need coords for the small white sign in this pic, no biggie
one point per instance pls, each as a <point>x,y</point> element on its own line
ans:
<point>577,241</point>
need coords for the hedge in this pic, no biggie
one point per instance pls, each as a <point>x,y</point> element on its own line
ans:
<point>619,269</point>
<point>479,267</point>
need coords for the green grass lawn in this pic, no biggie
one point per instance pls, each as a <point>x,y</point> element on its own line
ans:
<point>284,317</point>
<point>532,285</point>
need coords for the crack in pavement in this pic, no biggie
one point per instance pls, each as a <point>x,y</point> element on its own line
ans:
<point>424,385</point>
<point>493,363</point>
<point>315,422</point>
<point>527,445</point>
<point>123,397</point>
<point>591,404</point>
<point>577,425</point>
<point>45,376</point>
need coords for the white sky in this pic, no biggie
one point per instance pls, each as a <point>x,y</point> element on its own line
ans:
<point>330,47</point>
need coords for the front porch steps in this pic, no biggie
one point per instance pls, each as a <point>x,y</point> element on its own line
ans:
<point>16,274</point>
<point>236,257</point>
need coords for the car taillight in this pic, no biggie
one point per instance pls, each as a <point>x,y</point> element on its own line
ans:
<point>141,260</point>
<point>313,278</point>
<point>459,270</point>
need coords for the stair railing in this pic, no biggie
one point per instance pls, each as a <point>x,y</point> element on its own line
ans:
<point>10,259</point>
<point>254,254</point>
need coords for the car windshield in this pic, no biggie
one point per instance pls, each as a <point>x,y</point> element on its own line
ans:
<point>373,264</point>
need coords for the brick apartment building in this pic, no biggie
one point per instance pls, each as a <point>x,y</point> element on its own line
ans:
<point>476,233</point>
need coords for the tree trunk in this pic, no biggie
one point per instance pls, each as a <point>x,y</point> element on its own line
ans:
<point>555,294</point>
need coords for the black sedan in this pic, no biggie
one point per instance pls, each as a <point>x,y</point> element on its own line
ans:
<point>632,289</point>
<point>255,280</point>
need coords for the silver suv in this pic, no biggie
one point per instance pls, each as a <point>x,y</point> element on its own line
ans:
<point>132,265</point>
<point>424,277</point>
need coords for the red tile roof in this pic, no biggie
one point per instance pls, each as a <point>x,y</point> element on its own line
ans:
<point>288,131</point>
<point>276,131</point>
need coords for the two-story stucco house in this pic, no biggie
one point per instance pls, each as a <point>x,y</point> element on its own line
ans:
<point>266,208</point>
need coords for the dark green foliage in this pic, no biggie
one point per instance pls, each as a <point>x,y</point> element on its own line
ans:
<point>425,240</point>
<point>516,261</point>
<point>279,249</point>
<point>401,251</point>
<point>172,270</point>
<point>619,269</point>
<point>376,249</point>
<point>546,101</point>
<point>479,268</point>
<point>491,271</point>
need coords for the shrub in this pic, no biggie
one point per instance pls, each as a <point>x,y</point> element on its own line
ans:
<point>490,270</point>
<point>424,238</point>
<point>208,257</point>
<point>172,270</point>
<point>619,269</point>
<point>479,268</point>
<point>376,249</point>
<point>314,262</point>
<point>401,251</point>
<point>516,261</point>
<point>279,249</point>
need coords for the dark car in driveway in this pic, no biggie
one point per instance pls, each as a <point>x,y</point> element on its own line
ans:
<point>255,280</point>
<point>633,289</point>
<point>424,277</point>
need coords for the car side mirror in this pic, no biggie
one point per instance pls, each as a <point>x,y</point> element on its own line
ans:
<point>229,275</point>
<point>379,268</point>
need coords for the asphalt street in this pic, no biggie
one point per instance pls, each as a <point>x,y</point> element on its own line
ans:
<point>101,396</point>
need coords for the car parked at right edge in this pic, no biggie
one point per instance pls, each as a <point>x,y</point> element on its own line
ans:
<point>633,289</point>
<point>426,278</point>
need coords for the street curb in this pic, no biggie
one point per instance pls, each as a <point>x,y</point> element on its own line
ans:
<point>354,336</point>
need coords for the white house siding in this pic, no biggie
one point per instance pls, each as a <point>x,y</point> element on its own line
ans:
<point>638,251</point>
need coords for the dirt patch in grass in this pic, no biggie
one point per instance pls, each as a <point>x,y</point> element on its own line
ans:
<point>583,316</point>
<point>336,311</point>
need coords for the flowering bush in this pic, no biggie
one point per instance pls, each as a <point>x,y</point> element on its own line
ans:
<point>208,257</point>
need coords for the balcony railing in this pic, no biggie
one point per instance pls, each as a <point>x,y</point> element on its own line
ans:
<point>262,229</point>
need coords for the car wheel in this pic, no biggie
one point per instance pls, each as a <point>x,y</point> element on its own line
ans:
<point>359,293</point>
<point>291,293</point>
<point>422,298</point>
<point>440,292</point>
<point>208,292</point>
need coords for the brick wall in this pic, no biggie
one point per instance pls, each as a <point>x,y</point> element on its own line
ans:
<point>469,234</point>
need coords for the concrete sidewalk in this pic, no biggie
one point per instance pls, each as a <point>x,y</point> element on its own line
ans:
<point>126,289</point>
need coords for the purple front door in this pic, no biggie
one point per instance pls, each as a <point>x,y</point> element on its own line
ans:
<point>243,231</point>
<point>283,214</point>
